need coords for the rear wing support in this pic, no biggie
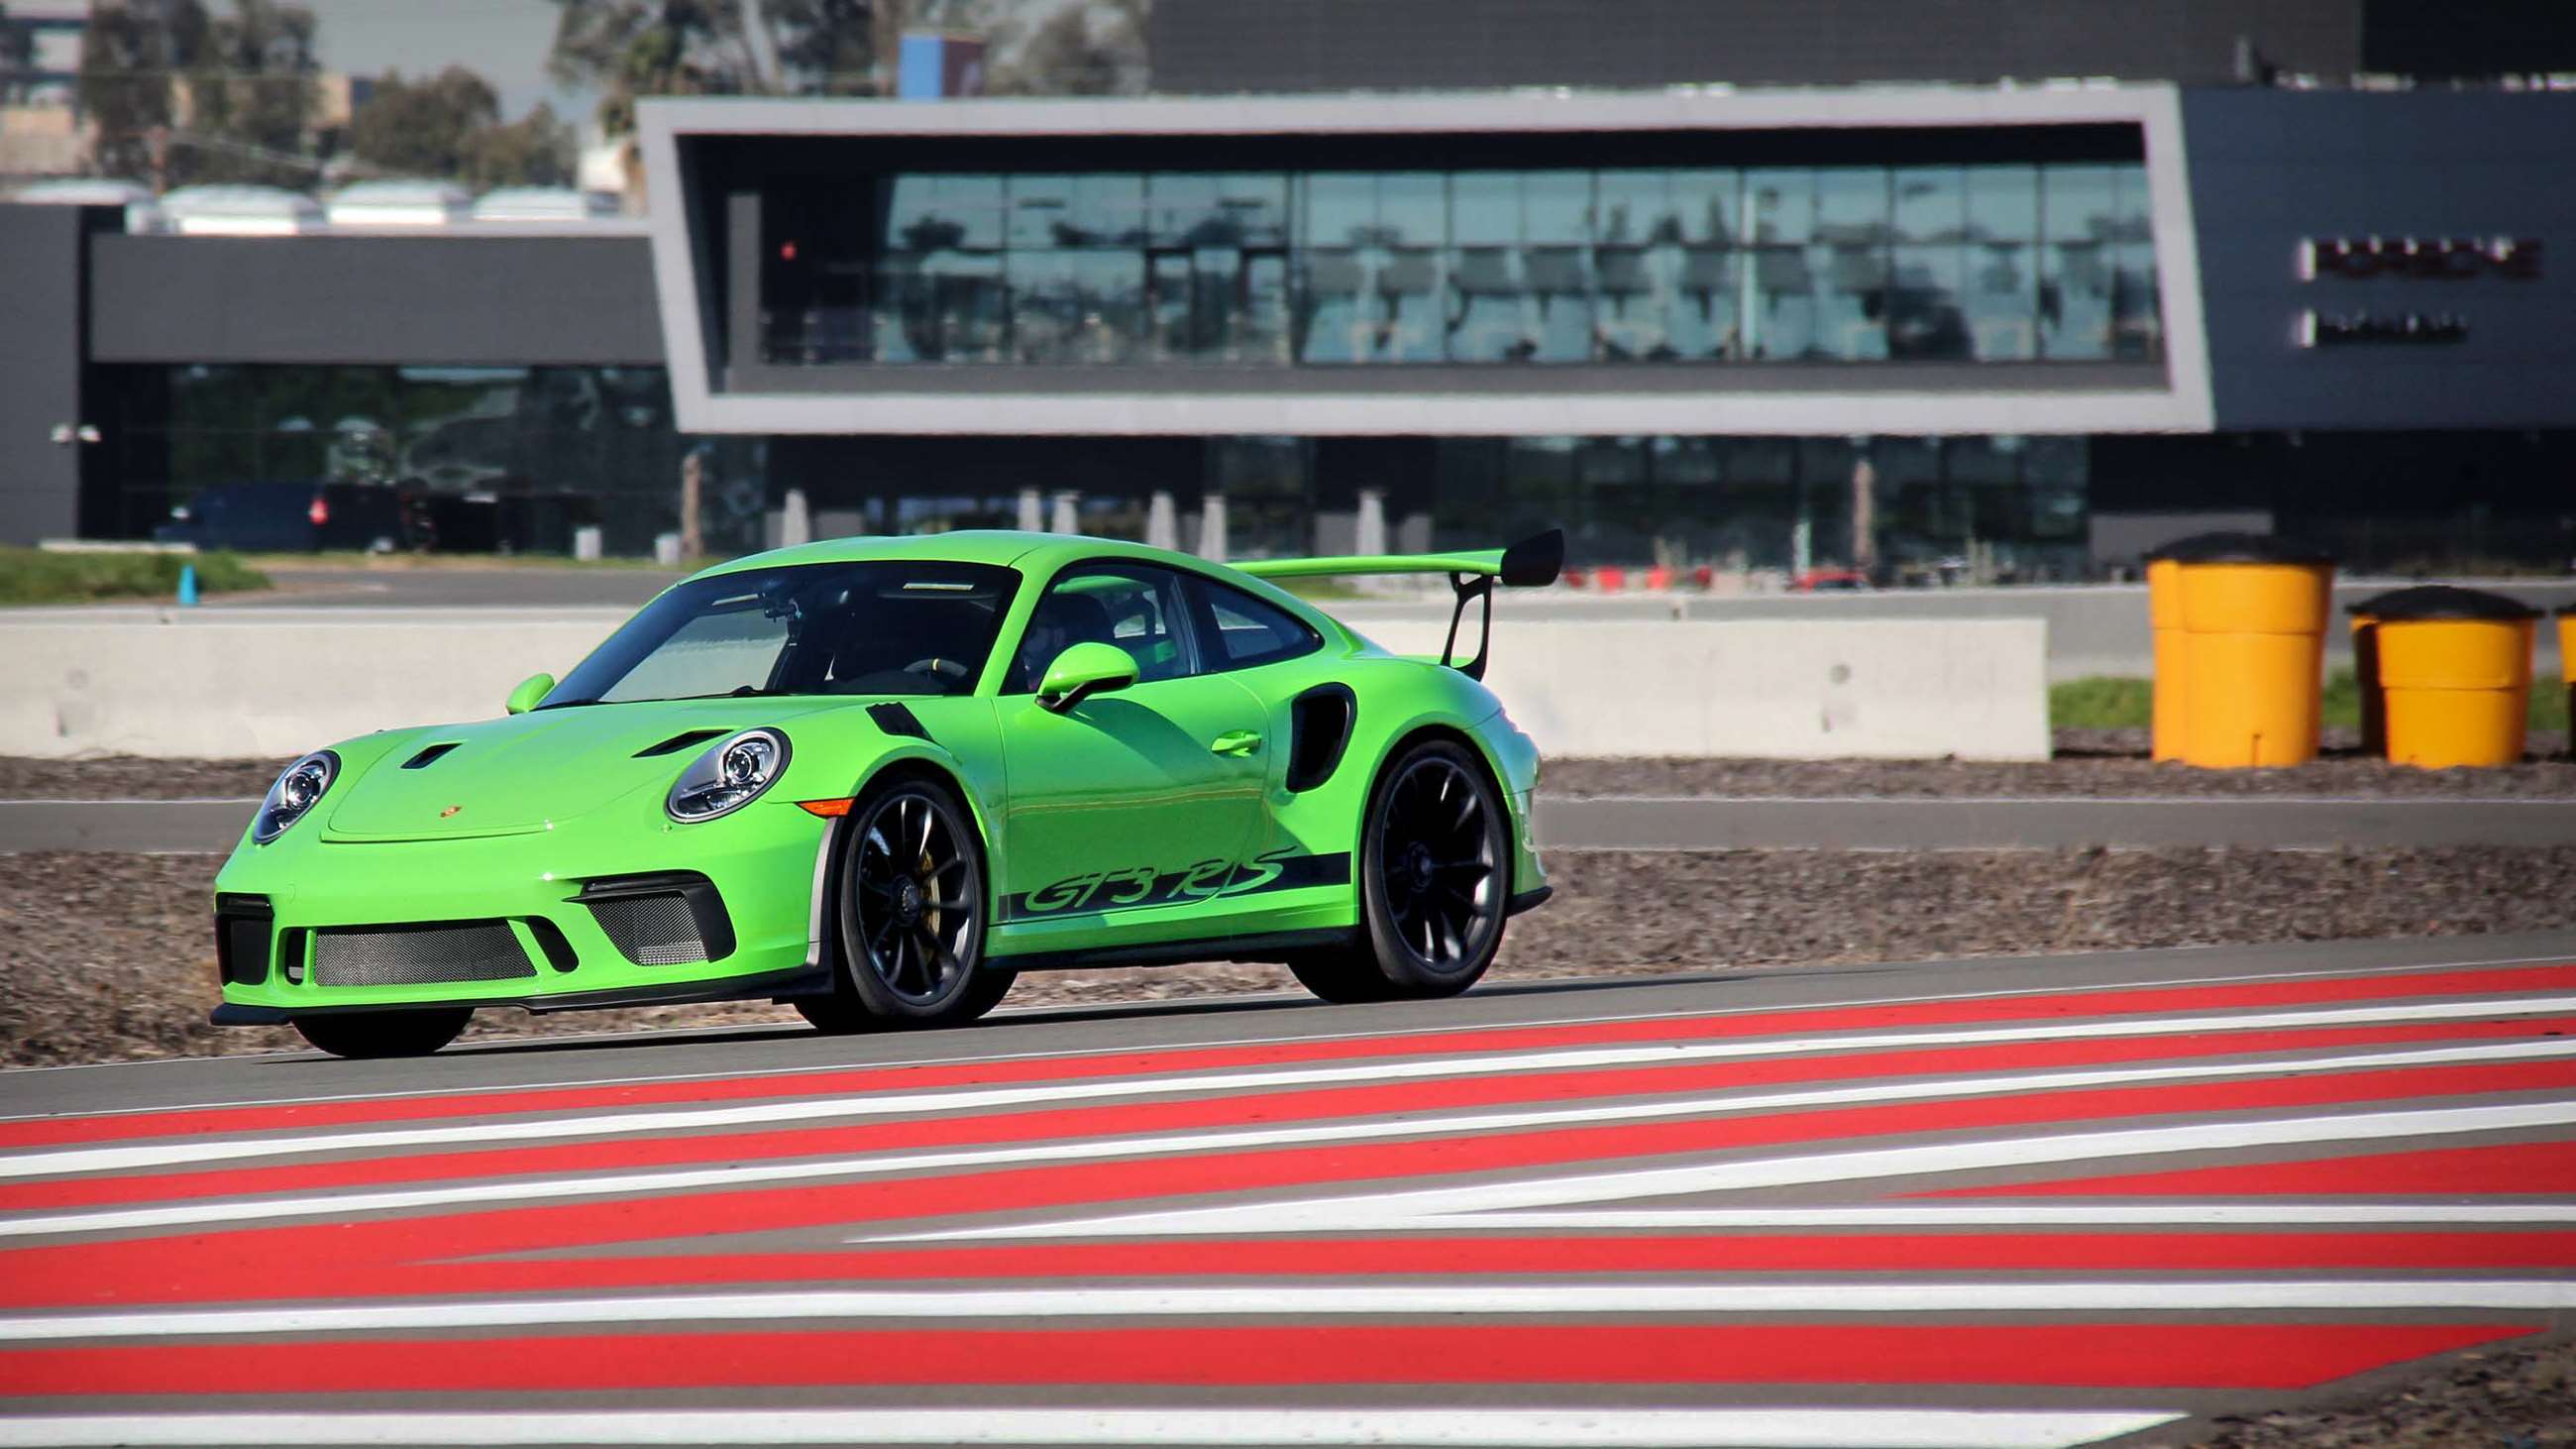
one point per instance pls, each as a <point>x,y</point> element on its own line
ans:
<point>1531,563</point>
<point>1469,588</point>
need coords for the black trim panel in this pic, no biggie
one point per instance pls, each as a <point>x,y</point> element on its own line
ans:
<point>1271,947</point>
<point>1530,900</point>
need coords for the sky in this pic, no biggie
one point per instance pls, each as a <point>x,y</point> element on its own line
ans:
<point>505,40</point>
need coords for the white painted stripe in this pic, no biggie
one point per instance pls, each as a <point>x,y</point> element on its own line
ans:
<point>1731,1295</point>
<point>500,1093</point>
<point>220,1210</point>
<point>2035,1215</point>
<point>168,1154</point>
<point>1223,1428</point>
<point>1455,1205</point>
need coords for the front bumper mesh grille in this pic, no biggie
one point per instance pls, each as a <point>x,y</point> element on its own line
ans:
<point>414,955</point>
<point>651,930</point>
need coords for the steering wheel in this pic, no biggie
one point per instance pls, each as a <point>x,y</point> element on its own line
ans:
<point>948,669</point>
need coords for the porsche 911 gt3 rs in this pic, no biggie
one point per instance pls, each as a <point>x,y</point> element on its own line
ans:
<point>879,777</point>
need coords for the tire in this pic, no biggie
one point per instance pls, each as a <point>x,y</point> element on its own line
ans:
<point>1435,883</point>
<point>909,899</point>
<point>1343,977</point>
<point>371,1035</point>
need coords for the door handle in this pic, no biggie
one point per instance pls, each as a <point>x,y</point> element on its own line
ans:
<point>1238,743</point>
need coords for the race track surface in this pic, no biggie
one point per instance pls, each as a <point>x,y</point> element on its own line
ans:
<point>2008,1203</point>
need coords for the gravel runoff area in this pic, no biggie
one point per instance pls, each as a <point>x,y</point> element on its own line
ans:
<point>110,957</point>
<point>2089,762</point>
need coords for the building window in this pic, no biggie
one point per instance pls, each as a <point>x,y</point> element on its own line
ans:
<point>1486,266</point>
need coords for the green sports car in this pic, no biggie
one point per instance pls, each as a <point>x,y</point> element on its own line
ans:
<point>879,777</point>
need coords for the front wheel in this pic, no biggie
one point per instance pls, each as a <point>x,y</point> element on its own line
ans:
<point>911,898</point>
<point>367,1035</point>
<point>1435,878</point>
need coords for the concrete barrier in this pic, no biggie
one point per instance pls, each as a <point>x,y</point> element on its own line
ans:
<point>1776,689</point>
<point>176,686</point>
<point>190,685</point>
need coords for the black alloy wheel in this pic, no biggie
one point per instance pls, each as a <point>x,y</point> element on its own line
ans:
<point>912,916</point>
<point>1435,883</point>
<point>373,1035</point>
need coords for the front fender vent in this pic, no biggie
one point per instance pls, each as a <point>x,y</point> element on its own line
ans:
<point>678,742</point>
<point>430,756</point>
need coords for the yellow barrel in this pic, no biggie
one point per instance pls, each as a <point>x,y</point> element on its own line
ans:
<point>2455,668</point>
<point>2164,617</point>
<point>2567,668</point>
<point>2253,613</point>
<point>2365,672</point>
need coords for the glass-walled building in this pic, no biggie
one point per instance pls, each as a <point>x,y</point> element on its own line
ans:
<point>1766,332</point>
<point>482,457</point>
<point>1992,261</point>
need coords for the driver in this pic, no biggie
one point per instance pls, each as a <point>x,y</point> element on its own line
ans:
<point>1062,620</point>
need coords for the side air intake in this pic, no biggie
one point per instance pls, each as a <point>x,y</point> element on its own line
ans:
<point>1320,722</point>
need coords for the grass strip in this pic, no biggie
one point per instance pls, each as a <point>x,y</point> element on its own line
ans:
<point>2111,702</point>
<point>34,576</point>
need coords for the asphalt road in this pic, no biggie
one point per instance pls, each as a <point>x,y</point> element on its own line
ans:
<point>2023,1202</point>
<point>1646,823</point>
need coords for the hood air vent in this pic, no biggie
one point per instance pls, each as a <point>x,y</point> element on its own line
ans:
<point>678,742</point>
<point>430,756</point>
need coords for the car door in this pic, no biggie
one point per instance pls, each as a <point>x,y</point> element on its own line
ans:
<point>1137,798</point>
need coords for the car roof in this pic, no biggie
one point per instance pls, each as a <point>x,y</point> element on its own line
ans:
<point>1010,548</point>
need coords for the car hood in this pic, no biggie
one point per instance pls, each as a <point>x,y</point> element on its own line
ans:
<point>528,772</point>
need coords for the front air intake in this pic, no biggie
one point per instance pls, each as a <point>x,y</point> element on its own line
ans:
<point>667,918</point>
<point>417,955</point>
<point>242,925</point>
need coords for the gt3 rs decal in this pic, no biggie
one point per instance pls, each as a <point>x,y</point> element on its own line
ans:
<point>1143,885</point>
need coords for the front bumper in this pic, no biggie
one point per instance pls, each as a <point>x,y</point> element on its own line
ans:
<point>307,924</point>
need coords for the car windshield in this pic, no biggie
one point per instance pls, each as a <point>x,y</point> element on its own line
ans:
<point>889,627</point>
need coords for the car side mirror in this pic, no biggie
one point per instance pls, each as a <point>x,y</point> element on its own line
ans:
<point>531,689</point>
<point>1083,671</point>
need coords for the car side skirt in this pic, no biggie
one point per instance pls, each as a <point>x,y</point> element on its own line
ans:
<point>1269,947</point>
<point>774,985</point>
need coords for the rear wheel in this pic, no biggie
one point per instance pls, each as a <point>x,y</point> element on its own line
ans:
<point>1434,883</point>
<point>366,1035</point>
<point>911,897</point>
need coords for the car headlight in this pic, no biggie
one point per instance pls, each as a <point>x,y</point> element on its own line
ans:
<point>298,787</point>
<point>728,777</point>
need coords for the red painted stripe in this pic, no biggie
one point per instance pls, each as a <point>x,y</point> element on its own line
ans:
<point>1272,1108</point>
<point>1336,1258</point>
<point>399,1255</point>
<point>53,1131</point>
<point>2082,1355</point>
<point>2520,1167</point>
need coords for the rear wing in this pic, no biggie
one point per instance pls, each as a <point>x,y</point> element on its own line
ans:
<point>1531,563</point>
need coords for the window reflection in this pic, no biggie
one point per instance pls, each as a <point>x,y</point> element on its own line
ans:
<point>1624,265</point>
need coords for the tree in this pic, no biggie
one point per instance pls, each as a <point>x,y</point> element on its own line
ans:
<point>182,96</point>
<point>427,127</point>
<point>1081,50</point>
<point>535,150</point>
<point>251,96</point>
<point>629,49</point>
